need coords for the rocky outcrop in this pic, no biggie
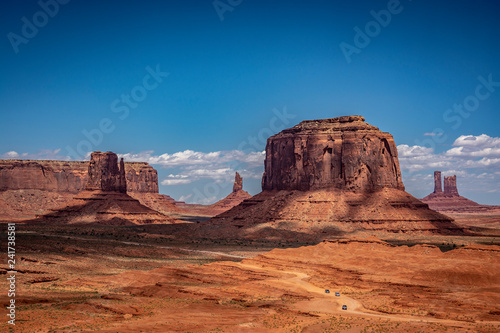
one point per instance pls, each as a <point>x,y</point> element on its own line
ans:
<point>327,177</point>
<point>344,153</point>
<point>450,186</point>
<point>437,182</point>
<point>141,177</point>
<point>450,201</point>
<point>29,188</point>
<point>234,198</point>
<point>105,174</point>
<point>238,183</point>
<point>104,199</point>
<point>68,177</point>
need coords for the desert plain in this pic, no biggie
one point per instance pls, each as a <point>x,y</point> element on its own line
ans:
<point>345,250</point>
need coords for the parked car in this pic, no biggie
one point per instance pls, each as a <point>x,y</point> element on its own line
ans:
<point>327,291</point>
<point>344,307</point>
<point>337,294</point>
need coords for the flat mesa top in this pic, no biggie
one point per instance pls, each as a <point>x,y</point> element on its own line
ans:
<point>344,123</point>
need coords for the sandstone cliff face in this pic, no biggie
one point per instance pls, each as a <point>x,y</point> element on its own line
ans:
<point>437,182</point>
<point>68,177</point>
<point>450,186</point>
<point>105,174</point>
<point>29,188</point>
<point>141,177</point>
<point>344,153</point>
<point>105,198</point>
<point>325,177</point>
<point>54,176</point>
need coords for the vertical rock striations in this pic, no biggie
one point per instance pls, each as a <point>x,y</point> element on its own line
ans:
<point>450,186</point>
<point>437,182</point>
<point>343,153</point>
<point>104,173</point>
<point>68,177</point>
<point>330,176</point>
<point>105,199</point>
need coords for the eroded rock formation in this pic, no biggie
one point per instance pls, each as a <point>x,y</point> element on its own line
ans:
<point>238,183</point>
<point>104,199</point>
<point>68,177</point>
<point>450,201</point>
<point>344,153</point>
<point>105,174</point>
<point>437,182</point>
<point>330,176</point>
<point>450,186</point>
<point>234,198</point>
<point>29,187</point>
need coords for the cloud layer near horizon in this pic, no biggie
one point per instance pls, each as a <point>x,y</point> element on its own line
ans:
<point>474,159</point>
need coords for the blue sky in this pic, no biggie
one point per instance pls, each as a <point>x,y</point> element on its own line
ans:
<point>195,87</point>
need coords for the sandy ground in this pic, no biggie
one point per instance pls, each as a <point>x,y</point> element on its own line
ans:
<point>138,279</point>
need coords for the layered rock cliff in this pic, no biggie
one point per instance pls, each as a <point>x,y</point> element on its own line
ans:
<point>29,187</point>
<point>105,174</point>
<point>68,177</point>
<point>104,199</point>
<point>344,153</point>
<point>330,176</point>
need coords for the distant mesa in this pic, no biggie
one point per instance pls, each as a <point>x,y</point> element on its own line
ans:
<point>32,187</point>
<point>104,199</point>
<point>450,201</point>
<point>331,176</point>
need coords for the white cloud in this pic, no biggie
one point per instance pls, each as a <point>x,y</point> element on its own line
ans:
<point>474,159</point>
<point>191,166</point>
<point>43,154</point>
<point>206,201</point>
<point>168,182</point>
<point>10,154</point>
<point>475,146</point>
<point>410,151</point>
<point>185,197</point>
<point>190,157</point>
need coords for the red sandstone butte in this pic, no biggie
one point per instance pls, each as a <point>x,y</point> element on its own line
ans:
<point>68,177</point>
<point>105,199</point>
<point>29,187</point>
<point>105,174</point>
<point>450,201</point>
<point>326,177</point>
<point>344,153</point>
